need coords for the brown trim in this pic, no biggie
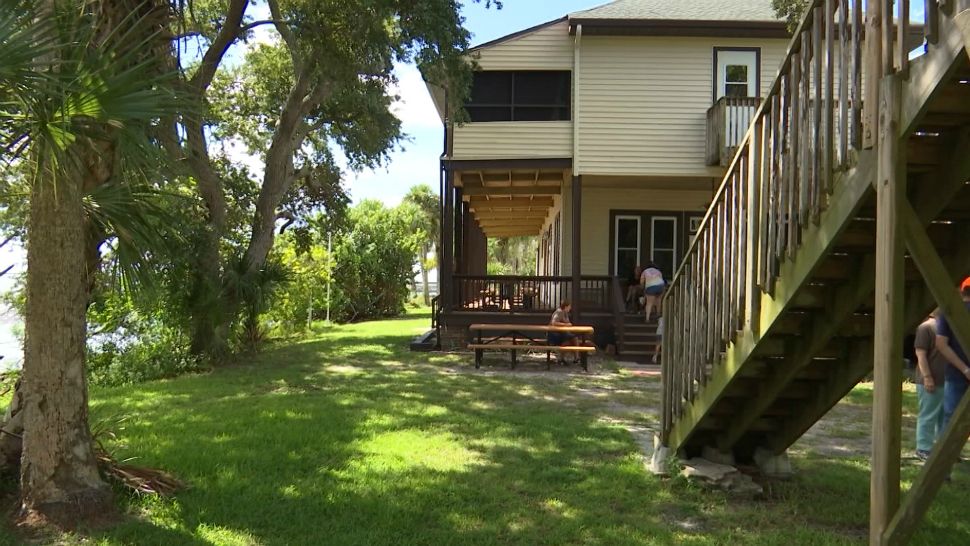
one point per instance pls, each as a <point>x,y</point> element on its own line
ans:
<point>757,69</point>
<point>577,257</point>
<point>515,35</point>
<point>672,27</point>
<point>482,164</point>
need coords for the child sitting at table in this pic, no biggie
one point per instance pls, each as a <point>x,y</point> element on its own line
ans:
<point>560,317</point>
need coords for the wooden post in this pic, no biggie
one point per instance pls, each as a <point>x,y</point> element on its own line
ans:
<point>947,448</point>
<point>446,267</point>
<point>461,215</point>
<point>889,298</point>
<point>873,72</point>
<point>752,300</point>
<point>577,204</point>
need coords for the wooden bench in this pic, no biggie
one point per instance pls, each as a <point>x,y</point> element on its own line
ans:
<point>529,337</point>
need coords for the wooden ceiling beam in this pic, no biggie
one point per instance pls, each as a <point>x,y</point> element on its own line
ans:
<point>544,211</point>
<point>495,214</point>
<point>508,235</point>
<point>485,224</point>
<point>492,201</point>
<point>473,191</point>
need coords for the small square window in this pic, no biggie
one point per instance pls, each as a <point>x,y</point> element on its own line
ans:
<point>736,73</point>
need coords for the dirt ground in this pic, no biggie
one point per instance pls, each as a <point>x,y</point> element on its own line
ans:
<point>628,395</point>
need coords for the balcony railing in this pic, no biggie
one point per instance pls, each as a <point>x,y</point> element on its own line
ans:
<point>523,294</point>
<point>727,122</point>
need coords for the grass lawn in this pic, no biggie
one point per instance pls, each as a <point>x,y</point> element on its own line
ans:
<point>348,438</point>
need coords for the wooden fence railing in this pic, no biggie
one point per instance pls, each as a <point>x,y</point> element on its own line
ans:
<point>779,181</point>
<point>508,294</point>
<point>727,122</point>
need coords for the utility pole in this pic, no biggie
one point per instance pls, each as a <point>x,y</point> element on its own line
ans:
<point>329,272</point>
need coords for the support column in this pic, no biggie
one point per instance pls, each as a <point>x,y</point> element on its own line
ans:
<point>577,231</point>
<point>475,248</point>
<point>890,299</point>
<point>461,213</point>
<point>446,267</point>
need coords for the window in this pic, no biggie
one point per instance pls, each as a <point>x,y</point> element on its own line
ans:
<point>627,245</point>
<point>663,244</point>
<point>736,80</point>
<point>736,72</point>
<point>520,96</point>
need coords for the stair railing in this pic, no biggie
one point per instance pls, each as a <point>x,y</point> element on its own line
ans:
<point>803,133</point>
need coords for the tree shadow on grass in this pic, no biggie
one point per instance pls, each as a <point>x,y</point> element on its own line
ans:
<point>342,441</point>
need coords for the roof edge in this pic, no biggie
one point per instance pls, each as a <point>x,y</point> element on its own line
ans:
<point>518,34</point>
<point>680,27</point>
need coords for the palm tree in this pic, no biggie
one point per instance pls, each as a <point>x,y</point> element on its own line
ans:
<point>426,219</point>
<point>79,91</point>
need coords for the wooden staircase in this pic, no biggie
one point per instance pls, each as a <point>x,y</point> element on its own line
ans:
<point>638,341</point>
<point>771,318</point>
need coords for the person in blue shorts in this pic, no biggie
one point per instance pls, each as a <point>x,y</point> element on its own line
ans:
<point>652,280</point>
<point>957,374</point>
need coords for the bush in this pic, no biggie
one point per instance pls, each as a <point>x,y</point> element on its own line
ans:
<point>373,264</point>
<point>121,358</point>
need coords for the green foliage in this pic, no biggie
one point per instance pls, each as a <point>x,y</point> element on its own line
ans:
<point>135,340</point>
<point>156,351</point>
<point>791,11</point>
<point>373,263</point>
<point>309,268</point>
<point>512,256</point>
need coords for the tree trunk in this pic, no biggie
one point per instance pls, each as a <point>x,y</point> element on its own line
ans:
<point>209,330</point>
<point>60,482</point>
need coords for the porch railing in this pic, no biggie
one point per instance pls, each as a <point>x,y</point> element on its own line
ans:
<point>512,294</point>
<point>727,122</point>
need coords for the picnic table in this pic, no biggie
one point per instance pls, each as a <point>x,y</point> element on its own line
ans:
<point>529,337</point>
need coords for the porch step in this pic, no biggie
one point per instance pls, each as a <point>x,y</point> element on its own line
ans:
<point>425,342</point>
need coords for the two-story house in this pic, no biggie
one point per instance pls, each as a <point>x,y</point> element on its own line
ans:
<point>603,133</point>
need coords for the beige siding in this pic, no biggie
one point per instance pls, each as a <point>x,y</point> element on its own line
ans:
<point>597,203</point>
<point>548,48</point>
<point>642,102</point>
<point>514,140</point>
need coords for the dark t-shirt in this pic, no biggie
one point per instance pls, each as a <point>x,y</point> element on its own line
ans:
<point>926,340</point>
<point>943,329</point>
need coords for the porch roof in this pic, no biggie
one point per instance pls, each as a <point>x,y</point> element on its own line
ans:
<point>510,203</point>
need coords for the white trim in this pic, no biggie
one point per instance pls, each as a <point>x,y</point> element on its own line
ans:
<point>725,57</point>
<point>616,239</point>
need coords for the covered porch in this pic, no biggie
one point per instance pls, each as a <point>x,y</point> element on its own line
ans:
<point>485,199</point>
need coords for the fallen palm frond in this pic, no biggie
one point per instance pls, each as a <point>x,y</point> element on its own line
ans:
<point>141,480</point>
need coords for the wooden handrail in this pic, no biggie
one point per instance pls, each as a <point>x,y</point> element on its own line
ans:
<point>778,183</point>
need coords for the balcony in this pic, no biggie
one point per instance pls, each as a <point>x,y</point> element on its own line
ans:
<point>727,121</point>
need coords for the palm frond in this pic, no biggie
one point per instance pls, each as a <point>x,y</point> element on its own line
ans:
<point>139,222</point>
